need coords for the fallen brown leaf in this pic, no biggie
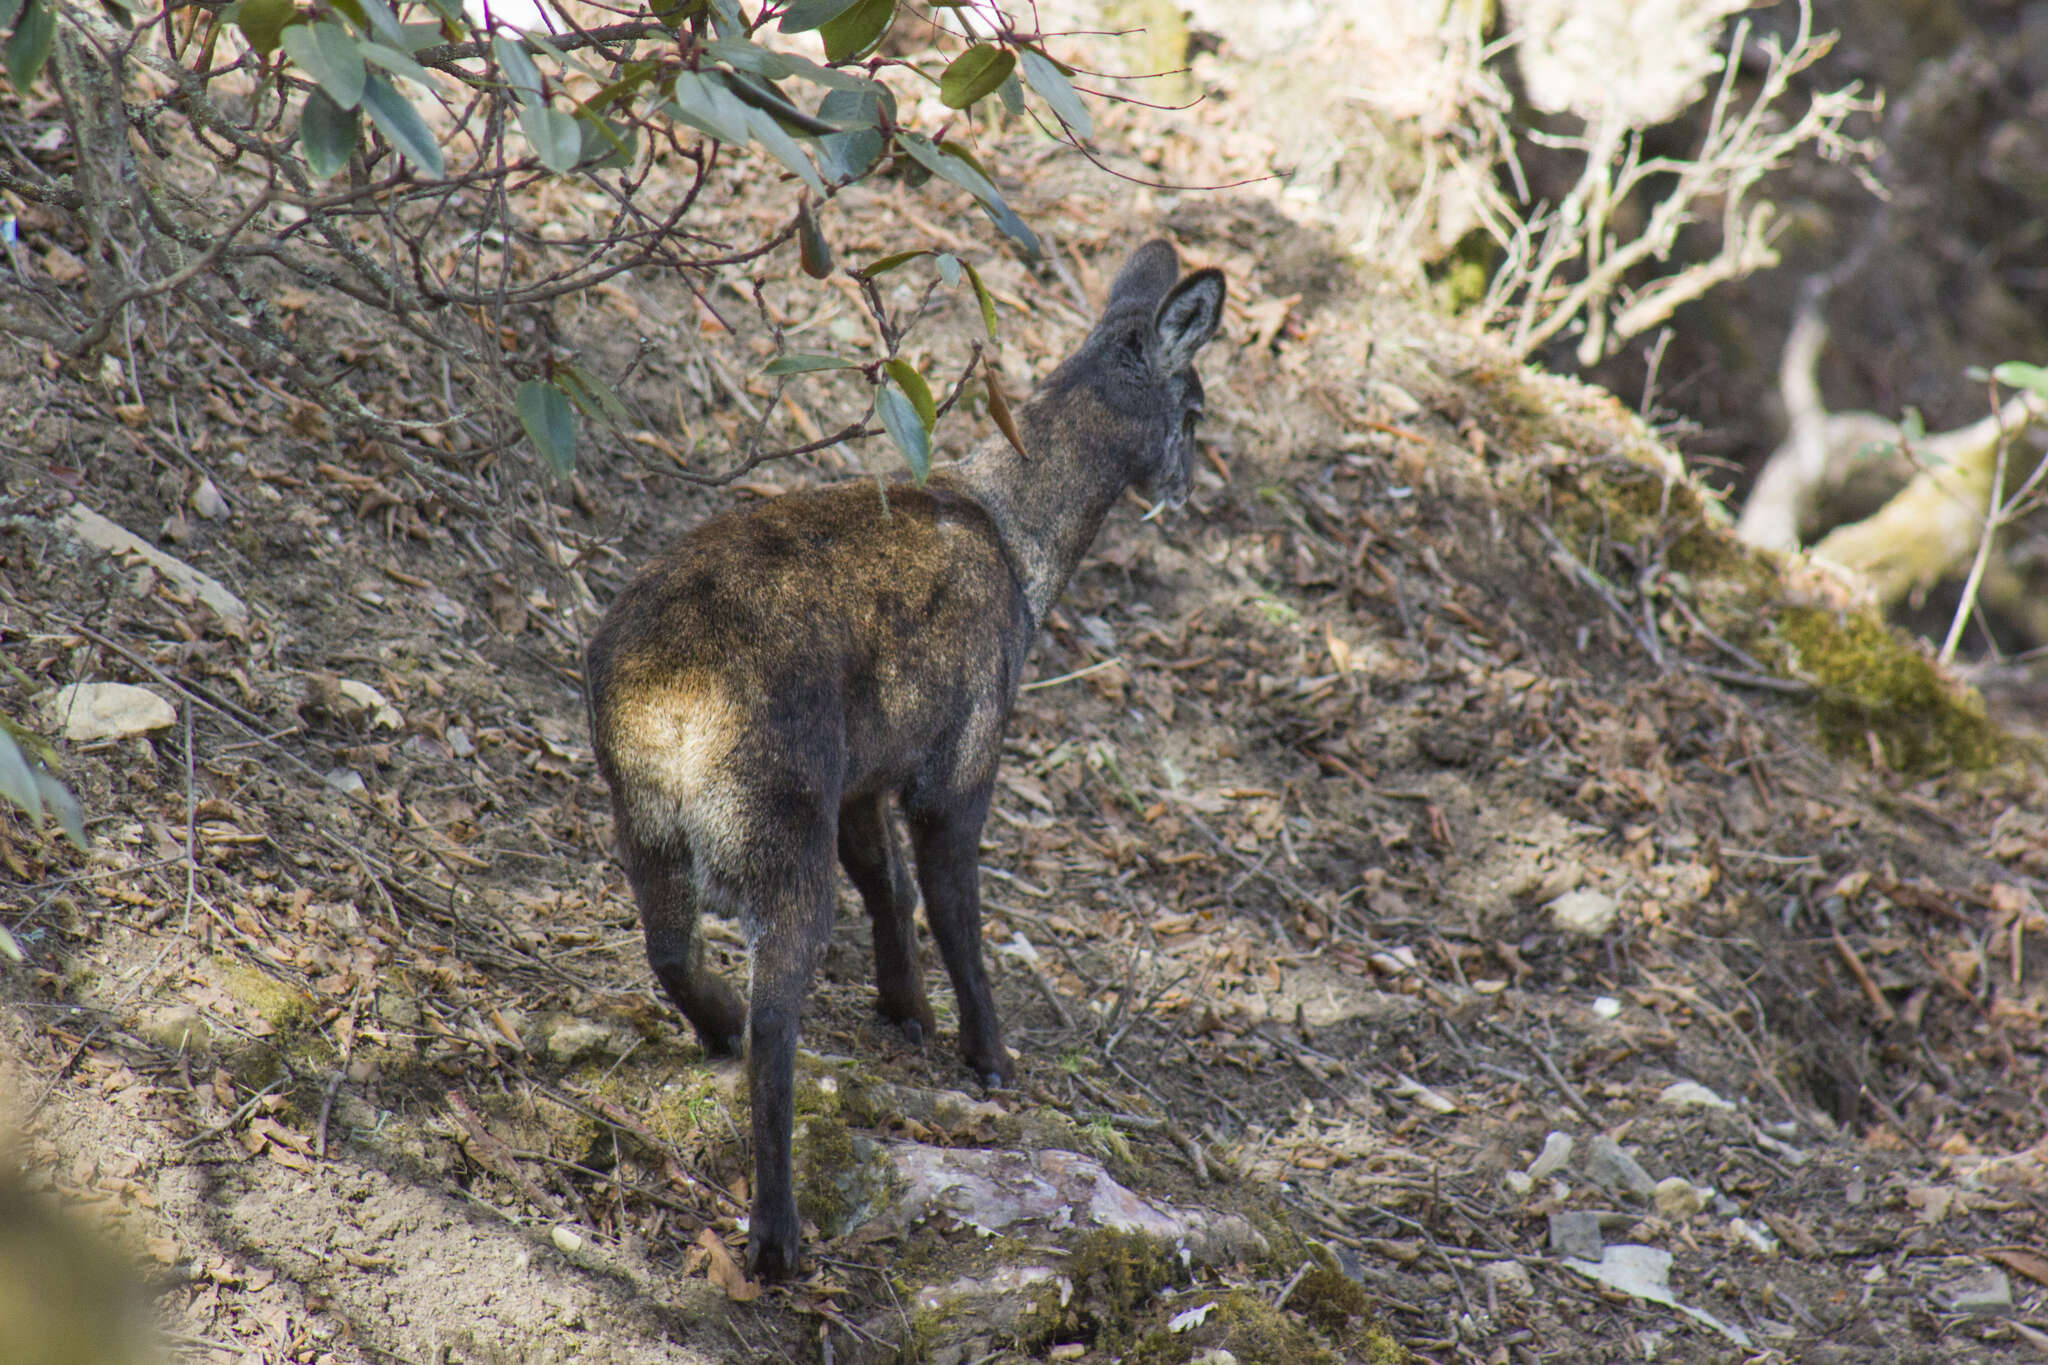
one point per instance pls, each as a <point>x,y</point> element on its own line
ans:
<point>722,1270</point>
<point>2021,1261</point>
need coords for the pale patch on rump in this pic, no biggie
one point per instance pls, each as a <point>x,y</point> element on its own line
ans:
<point>672,740</point>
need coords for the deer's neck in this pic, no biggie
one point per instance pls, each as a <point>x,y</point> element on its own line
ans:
<point>1047,506</point>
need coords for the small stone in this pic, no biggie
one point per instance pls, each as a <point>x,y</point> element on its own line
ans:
<point>347,781</point>
<point>1745,1233</point>
<point>1690,1095</point>
<point>1586,913</point>
<point>1518,1184</point>
<point>90,711</point>
<point>566,1239</point>
<point>1557,1150</point>
<point>1677,1197</point>
<point>1576,1235</point>
<point>571,1040</point>
<point>1507,1279</point>
<point>1984,1291</point>
<point>1606,1006</point>
<point>207,501</point>
<point>1608,1165</point>
<point>95,530</point>
<point>369,707</point>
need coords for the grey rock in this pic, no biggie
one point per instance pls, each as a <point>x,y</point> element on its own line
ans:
<point>1557,1149</point>
<point>1607,1165</point>
<point>1588,914</point>
<point>1677,1197</point>
<point>1576,1235</point>
<point>1507,1280</point>
<point>1986,1290</point>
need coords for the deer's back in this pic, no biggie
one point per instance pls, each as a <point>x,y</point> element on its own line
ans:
<point>807,650</point>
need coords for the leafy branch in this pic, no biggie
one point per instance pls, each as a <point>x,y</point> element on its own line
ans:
<point>380,151</point>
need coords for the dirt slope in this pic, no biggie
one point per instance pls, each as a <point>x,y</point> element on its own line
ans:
<point>1273,886</point>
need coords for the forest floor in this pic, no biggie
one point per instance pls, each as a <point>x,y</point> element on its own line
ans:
<point>1425,789</point>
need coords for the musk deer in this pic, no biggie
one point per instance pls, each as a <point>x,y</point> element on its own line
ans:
<point>761,692</point>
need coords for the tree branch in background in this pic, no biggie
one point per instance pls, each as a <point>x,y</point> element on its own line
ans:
<point>403,156</point>
<point>1565,266</point>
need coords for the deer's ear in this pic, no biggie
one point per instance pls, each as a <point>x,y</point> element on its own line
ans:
<point>1187,318</point>
<point>1144,277</point>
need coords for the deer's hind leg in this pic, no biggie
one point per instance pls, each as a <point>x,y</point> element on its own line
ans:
<point>947,836</point>
<point>666,894</point>
<point>872,854</point>
<point>787,903</point>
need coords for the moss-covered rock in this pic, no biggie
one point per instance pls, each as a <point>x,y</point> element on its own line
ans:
<point>841,1177</point>
<point>1111,1278</point>
<point>1874,683</point>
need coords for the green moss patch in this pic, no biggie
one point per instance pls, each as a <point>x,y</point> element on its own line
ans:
<point>1873,682</point>
<point>1119,1299</point>
<point>1115,1277</point>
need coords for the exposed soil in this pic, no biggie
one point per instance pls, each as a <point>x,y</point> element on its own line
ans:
<point>342,1022</point>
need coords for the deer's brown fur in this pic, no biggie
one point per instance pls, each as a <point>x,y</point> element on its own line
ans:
<point>762,692</point>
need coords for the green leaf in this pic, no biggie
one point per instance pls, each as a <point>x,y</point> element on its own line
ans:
<point>868,107</point>
<point>1012,95</point>
<point>28,47</point>
<point>949,161</point>
<point>8,9</point>
<point>631,78</point>
<point>981,295</point>
<point>850,155</point>
<point>325,52</point>
<point>261,21</point>
<point>974,74</point>
<point>804,15</point>
<point>8,947</point>
<point>889,263</point>
<point>961,172</point>
<point>704,102</point>
<point>518,69</point>
<point>949,268</point>
<point>555,136</point>
<point>327,134</point>
<point>2016,374</point>
<point>741,55</point>
<point>63,806</point>
<point>906,429</point>
<point>18,778</point>
<point>770,100</point>
<point>1054,88</point>
<point>814,253</point>
<point>402,124</point>
<point>550,423</point>
<point>605,144</point>
<point>384,23</point>
<point>770,135</point>
<point>396,62</point>
<point>800,362</point>
<point>803,68</point>
<point>591,395</point>
<point>846,157</point>
<point>914,388</point>
<point>856,32</point>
